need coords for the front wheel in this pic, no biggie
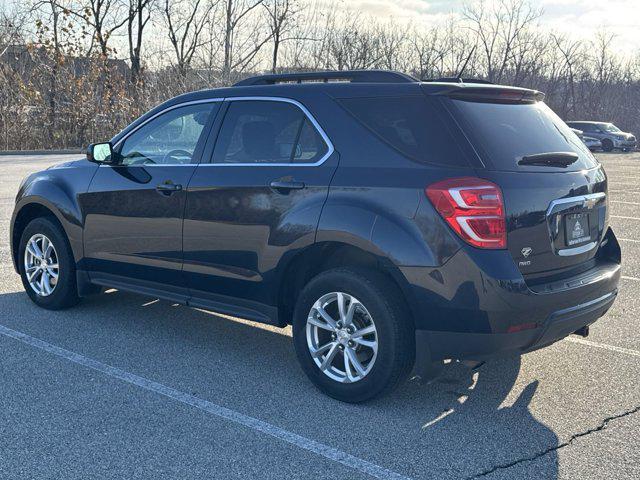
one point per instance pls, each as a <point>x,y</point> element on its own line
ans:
<point>47,267</point>
<point>352,334</point>
<point>607,145</point>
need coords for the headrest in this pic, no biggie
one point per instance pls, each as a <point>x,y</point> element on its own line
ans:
<point>259,139</point>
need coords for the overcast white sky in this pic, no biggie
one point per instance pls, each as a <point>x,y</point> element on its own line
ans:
<point>579,17</point>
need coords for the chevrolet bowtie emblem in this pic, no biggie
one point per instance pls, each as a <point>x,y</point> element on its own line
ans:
<point>589,202</point>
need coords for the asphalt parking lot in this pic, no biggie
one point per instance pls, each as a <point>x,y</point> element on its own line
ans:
<point>123,386</point>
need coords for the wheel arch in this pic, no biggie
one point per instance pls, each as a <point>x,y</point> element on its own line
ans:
<point>26,210</point>
<point>323,256</point>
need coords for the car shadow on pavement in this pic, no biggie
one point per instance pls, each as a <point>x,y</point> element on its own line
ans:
<point>463,424</point>
<point>492,425</point>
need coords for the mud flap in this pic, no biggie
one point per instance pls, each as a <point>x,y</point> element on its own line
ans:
<point>425,367</point>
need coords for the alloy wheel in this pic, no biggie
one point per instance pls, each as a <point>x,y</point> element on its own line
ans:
<point>41,265</point>
<point>342,337</point>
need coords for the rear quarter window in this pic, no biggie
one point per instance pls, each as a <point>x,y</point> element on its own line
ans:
<point>410,124</point>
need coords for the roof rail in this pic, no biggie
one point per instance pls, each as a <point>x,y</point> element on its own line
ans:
<point>355,76</point>
<point>458,80</point>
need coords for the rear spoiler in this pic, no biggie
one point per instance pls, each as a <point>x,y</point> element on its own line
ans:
<point>496,94</point>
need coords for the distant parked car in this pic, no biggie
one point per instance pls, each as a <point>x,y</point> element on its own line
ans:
<point>609,135</point>
<point>579,133</point>
<point>592,143</point>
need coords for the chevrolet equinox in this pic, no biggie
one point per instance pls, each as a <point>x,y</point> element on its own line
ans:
<point>394,223</point>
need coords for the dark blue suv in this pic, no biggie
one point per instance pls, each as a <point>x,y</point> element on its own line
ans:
<point>393,223</point>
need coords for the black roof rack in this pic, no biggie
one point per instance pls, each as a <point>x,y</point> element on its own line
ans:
<point>366,76</point>
<point>458,80</point>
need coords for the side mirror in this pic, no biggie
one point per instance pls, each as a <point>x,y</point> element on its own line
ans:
<point>101,153</point>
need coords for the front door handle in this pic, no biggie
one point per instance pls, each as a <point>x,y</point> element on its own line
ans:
<point>168,187</point>
<point>281,185</point>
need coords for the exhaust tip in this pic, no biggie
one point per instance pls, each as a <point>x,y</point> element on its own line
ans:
<point>583,332</point>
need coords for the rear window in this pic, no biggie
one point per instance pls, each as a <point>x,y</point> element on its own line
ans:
<point>507,132</point>
<point>411,125</point>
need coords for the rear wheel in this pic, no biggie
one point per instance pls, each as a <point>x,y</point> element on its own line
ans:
<point>353,337</point>
<point>607,145</point>
<point>47,268</point>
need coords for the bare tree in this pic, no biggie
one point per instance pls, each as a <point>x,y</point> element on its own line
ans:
<point>49,19</point>
<point>498,28</point>
<point>352,46</point>
<point>185,21</point>
<point>458,49</point>
<point>606,71</point>
<point>104,17</point>
<point>137,20</point>
<point>239,51</point>
<point>280,15</point>
<point>60,79</point>
<point>425,52</point>
<point>392,40</point>
<point>11,28</point>
<point>571,51</point>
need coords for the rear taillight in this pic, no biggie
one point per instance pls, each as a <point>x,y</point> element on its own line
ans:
<point>474,208</point>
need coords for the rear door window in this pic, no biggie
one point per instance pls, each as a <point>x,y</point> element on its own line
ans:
<point>585,127</point>
<point>506,132</point>
<point>411,125</point>
<point>260,131</point>
<point>310,146</point>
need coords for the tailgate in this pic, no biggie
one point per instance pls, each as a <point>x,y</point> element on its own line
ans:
<point>554,220</point>
<point>554,189</point>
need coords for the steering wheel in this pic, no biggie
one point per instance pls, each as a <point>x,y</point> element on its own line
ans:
<point>174,154</point>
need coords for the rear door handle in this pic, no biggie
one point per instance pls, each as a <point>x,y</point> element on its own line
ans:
<point>168,187</point>
<point>280,185</point>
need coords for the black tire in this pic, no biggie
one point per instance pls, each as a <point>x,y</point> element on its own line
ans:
<point>65,292</point>
<point>607,145</point>
<point>395,332</point>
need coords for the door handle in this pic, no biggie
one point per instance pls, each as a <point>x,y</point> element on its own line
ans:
<point>168,187</point>
<point>280,185</point>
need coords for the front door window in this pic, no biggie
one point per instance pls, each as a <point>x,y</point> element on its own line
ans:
<point>170,139</point>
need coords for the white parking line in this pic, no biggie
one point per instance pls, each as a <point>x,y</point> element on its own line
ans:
<point>604,346</point>
<point>632,240</point>
<point>241,419</point>
<point>626,203</point>
<point>624,277</point>
<point>627,218</point>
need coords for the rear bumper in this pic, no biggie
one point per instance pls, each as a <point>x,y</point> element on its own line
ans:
<point>435,345</point>
<point>480,306</point>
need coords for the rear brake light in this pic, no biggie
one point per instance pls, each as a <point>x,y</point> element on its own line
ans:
<point>473,208</point>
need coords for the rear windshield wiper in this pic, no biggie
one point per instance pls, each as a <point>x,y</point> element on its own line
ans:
<point>550,159</point>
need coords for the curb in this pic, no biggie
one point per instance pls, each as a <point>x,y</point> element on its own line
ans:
<point>42,152</point>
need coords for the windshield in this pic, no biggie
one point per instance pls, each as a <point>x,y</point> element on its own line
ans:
<point>610,127</point>
<point>506,133</point>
